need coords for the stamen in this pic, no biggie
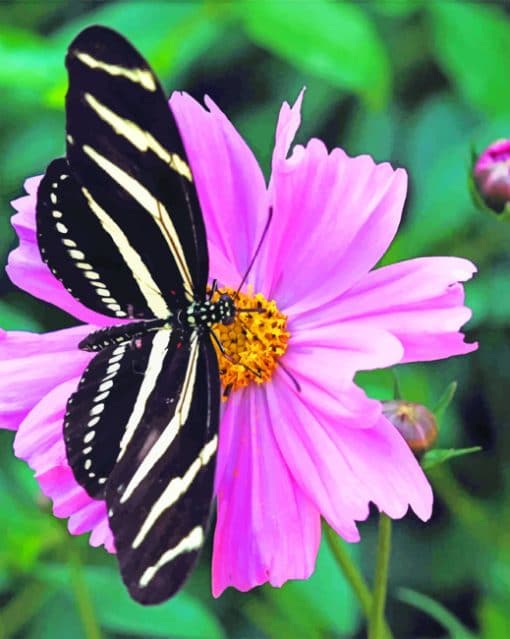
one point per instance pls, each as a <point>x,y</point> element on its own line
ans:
<point>253,345</point>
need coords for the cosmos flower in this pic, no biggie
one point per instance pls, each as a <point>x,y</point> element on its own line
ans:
<point>286,457</point>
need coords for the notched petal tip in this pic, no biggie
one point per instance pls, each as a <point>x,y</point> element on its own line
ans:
<point>289,121</point>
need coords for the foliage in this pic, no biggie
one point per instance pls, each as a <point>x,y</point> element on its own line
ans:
<point>416,83</point>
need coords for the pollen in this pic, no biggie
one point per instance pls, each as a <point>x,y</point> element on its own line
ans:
<point>253,343</point>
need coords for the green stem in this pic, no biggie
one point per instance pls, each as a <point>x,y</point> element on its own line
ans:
<point>20,610</point>
<point>84,602</point>
<point>376,622</point>
<point>350,570</point>
<point>353,576</point>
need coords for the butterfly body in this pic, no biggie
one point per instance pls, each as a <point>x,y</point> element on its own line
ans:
<point>119,224</point>
<point>199,316</point>
<point>203,315</point>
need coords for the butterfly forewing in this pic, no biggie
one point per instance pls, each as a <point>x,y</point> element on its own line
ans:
<point>160,491</point>
<point>74,244</point>
<point>125,150</point>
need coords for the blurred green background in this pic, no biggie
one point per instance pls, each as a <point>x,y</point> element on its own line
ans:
<point>416,83</point>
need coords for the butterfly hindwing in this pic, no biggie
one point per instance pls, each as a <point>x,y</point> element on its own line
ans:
<point>82,256</point>
<point>101,408</point>
<point>125,150</point>
<point>161,488</point>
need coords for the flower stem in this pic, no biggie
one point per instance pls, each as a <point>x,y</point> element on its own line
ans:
<point>22,608</point>
<point>376,621</point>
<point>350,570</point>
<point>81,593</point>
<point>353,576</point>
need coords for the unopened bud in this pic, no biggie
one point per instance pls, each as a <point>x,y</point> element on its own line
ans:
<point>491,175</point>
<point>414,422</point>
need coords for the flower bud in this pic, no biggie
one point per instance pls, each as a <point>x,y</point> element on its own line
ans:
<point>491,175</point>
<point>414,422</point>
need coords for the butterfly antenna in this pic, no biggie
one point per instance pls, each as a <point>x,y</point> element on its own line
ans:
<point>297,386</point>
<point>257,250</point>
<point>214,288</point>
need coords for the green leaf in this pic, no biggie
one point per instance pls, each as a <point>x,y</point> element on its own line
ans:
<point>183,616</point>
<point>487,296</point>
<point>469,43</point>
<point>445,399</point>
<point>322,604</point>
<point>13,318</point>
<point>442,209</point>
<point>438,456</point>
<point>58,619</point>
<point>397,8</point>
<point>437,611</point>
<point>26,530</point>
<point>378,384</point>
<point>493,617</point>
<point>28,62</point>
<point>45,138</point>
<point>374,132</point>
<point>337,42</point>
<point>173,37</point>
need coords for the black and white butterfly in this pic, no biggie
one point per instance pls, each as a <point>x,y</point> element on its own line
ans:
<point>118,223</point>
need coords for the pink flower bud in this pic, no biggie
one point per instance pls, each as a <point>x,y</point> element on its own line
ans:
<point>414,422</point>
<point>491,174</point>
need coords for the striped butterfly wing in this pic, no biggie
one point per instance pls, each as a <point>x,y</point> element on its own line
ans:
<point>118,222</point>
<point>102,407</point>
<point>85,258</point>
<point>125,149</point>
<point>127,159</point>
<point>160,491</point>
<point>141,432</point>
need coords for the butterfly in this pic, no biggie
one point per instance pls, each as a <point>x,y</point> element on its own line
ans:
<point>119,224</point>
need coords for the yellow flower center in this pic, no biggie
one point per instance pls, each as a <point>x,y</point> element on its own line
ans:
<point>253,343</point>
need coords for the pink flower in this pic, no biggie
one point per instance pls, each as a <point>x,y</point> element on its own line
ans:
<point>285,458</point>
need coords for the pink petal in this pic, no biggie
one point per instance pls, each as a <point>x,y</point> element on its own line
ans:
<point>266,530</point>
<point>419,301</point>
<point>28,272</point>
<point>40,443</point>
<point>324,361</point>
<point>341,468</point>
<point>33,365</point>
<point>347,347</point>
<point>289,122</point>
<point>334,217</point>
<point>229,181</point>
